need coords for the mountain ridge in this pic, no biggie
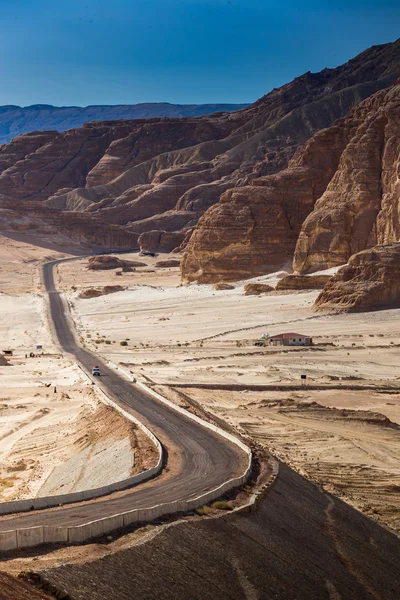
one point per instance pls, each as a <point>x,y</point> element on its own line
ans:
<point>16,120</point>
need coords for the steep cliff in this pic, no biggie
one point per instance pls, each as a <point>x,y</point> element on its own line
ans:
<point>254,229</point>
<point>370,280</point>
<point>361,205</point>
<point>339,195</point>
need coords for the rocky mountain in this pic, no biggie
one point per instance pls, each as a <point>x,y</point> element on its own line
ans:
<point>360,206</point>
<point>244,182</point>
<point>370,280</point>
<point>16,120</point>
<point>325,206</point>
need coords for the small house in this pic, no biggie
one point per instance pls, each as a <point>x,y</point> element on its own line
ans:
<point>290,339</point>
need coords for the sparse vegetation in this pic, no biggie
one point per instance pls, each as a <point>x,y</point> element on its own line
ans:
<point>204,511</point>
<point>123,343</point>
<point>221,505</point>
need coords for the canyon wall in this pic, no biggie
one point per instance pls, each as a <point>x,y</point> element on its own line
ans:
<point>361,205</point>
<point>339,195</point>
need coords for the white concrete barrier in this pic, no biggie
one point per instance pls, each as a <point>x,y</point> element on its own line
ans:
<point>8,540</point>
<point>31,536</point>
<point>55,534</point>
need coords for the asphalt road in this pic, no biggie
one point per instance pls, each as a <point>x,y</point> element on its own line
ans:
<point>206,459</point>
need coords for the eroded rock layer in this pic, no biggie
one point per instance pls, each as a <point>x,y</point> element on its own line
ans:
<point>370,280</point>
<point>302,282</point>
<point>339,195</point>
<point>361,205</point>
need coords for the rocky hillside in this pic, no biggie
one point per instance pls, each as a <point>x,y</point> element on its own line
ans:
<point>16,120</point>
<point>299,544</point>
<point>338,196</point>
<point>371,280</point>
<point>360,206</point>
<point>148,182</point>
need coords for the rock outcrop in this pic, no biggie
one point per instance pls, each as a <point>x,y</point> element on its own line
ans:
<point>96,292</point>
<point>105,262</point>
<point>360,207</point>
<point>338,196</point>
<point>166,264</point>
<point>254,229</point>
<point>371,280</point>
<point>223,286</point>
<point>302,282</point>
<point>255,289</point>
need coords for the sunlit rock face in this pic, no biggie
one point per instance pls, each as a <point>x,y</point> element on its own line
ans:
<point>371,280</point>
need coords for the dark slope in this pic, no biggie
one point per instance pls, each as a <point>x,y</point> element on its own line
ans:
<point>15,589</point>
<point>301,544</point>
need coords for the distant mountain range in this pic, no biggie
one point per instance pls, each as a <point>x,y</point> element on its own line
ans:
<point>15,120</point>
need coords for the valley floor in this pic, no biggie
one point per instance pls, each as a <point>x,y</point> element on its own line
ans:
<point>185,339</point>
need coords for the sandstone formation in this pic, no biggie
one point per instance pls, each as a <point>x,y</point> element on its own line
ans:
<point>360,207</point>
<point>105,262</point>
<point>223,286</point>
<point>371,280</point>
<point>165,264</point>
<point>302,282</point>
<point>338,196</point>
<point>255,289</point>
<point>96,292</point>
<point>254,229</point>
<point>146,183</point>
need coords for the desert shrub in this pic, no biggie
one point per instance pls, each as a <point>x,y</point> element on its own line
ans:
<point>204,510</point>
<point>123,343</point>
<point>221,505</point>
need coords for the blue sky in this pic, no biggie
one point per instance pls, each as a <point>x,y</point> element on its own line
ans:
<point>84,52</point>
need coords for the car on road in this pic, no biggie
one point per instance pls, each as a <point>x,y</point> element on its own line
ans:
<point>96,371</point>
<point>263,341</point>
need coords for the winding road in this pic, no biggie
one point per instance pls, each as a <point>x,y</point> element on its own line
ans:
<point>203,460</point>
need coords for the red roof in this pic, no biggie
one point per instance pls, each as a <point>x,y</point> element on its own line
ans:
<point>286,336</point>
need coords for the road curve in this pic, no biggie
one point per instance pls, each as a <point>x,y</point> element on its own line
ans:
<point>206,459</point>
